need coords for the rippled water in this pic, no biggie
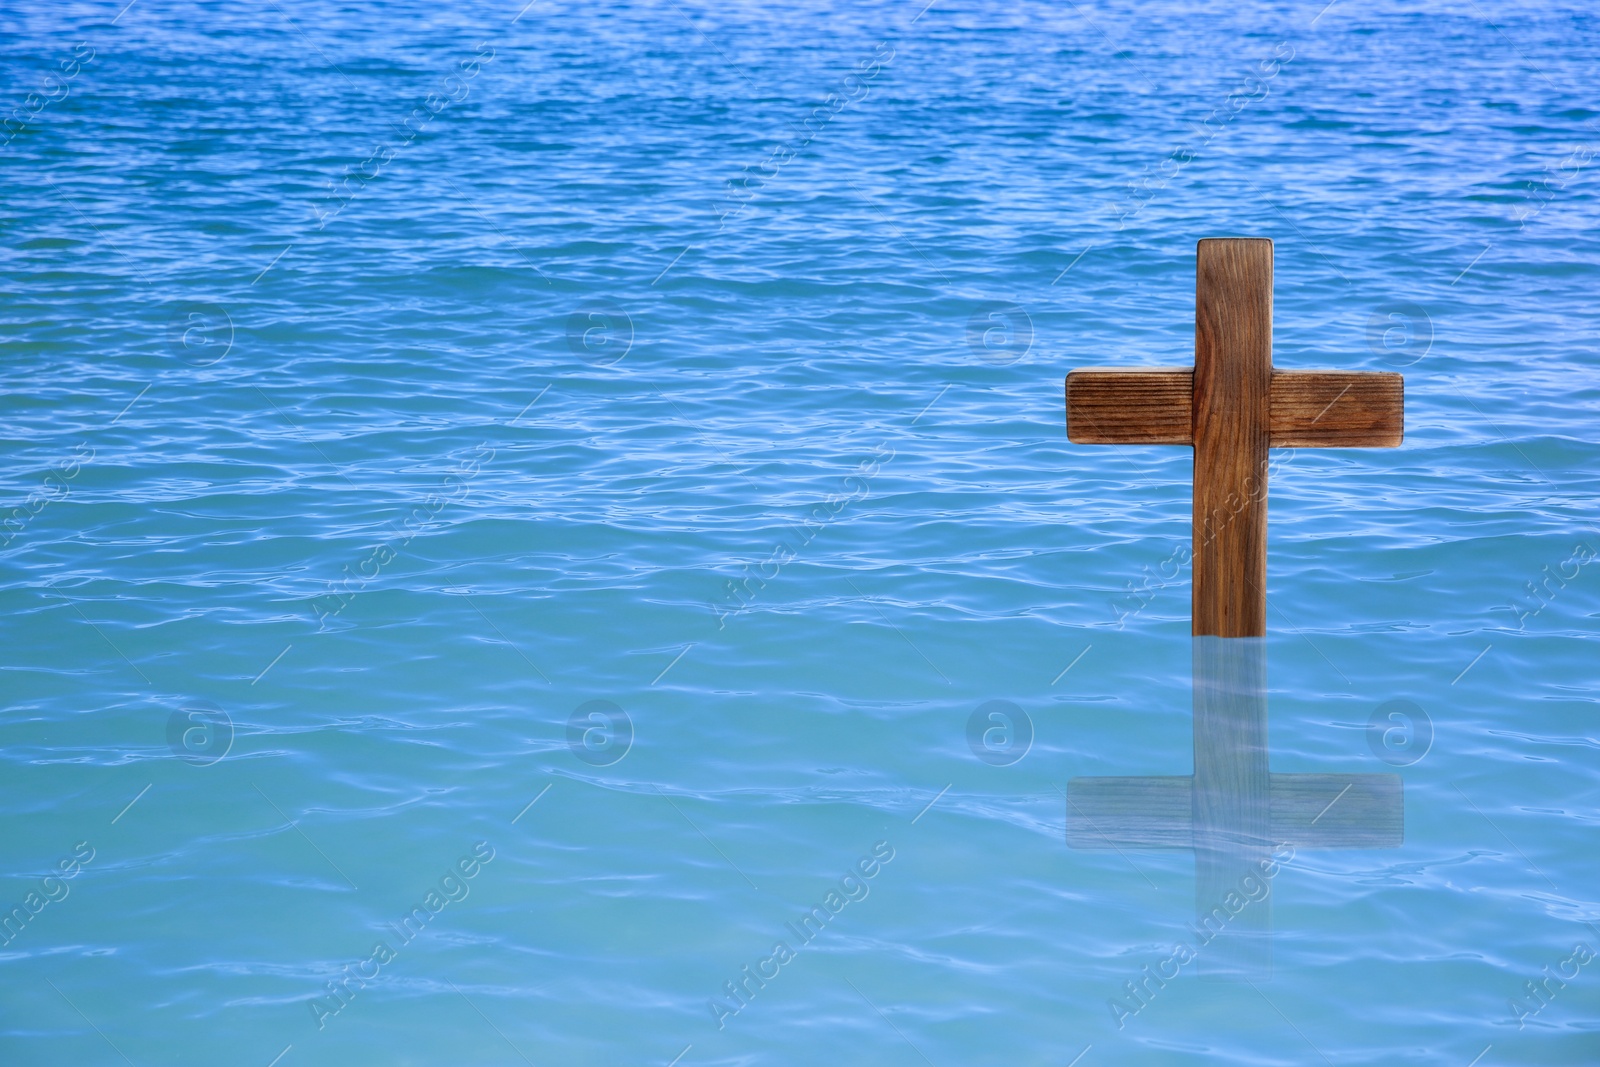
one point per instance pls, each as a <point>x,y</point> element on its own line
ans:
<point>387,385</point>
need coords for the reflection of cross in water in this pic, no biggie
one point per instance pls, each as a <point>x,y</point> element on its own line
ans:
<point>1232,407</point>
<point>1233,810</point>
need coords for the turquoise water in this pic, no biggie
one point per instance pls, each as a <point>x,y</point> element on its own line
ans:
<point>511,508</point>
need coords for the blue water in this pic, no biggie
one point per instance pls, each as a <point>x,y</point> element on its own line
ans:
<point>385,385</point>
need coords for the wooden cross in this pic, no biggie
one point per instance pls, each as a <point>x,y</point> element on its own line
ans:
<point>1232,407</point>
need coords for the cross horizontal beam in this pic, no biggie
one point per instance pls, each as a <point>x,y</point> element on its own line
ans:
<point>1306,409</point>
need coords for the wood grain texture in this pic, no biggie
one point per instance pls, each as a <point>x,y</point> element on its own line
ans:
<point>1232,414</point>
<point>1337,409</point>
<point>1144,406</point>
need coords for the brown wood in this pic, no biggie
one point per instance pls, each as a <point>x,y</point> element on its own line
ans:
<point>1307,408</point>
<point>1337,409</point>
<point>1147,406</point>
<point>1232,407</point>
<point>1232,381</point>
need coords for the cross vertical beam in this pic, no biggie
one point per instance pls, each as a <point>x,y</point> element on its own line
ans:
<point>1232,426</point>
